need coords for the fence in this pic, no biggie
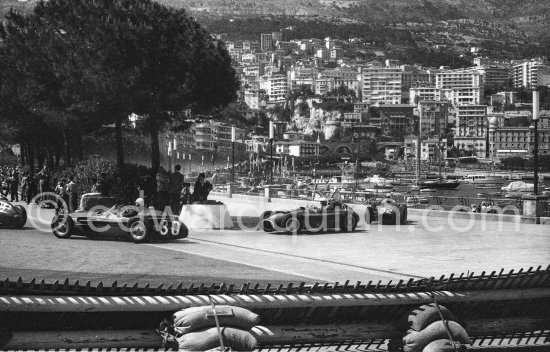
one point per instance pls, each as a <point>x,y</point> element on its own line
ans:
<point>509,205</point>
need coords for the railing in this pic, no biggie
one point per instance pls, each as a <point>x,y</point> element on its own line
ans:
<point>513,206</point>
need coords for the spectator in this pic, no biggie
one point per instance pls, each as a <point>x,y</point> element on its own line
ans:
<point>73,190</point>
<point>202,189</point>
<point>24,185</point>
<point>176,186</point>
<point>162,197</point>
<point>13,185</point>
<point>31,188</point>
<point>43,179</point>
<point>62,198</point>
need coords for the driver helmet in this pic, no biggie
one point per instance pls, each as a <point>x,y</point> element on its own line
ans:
<point>140,203</point>
<point>388,195</point>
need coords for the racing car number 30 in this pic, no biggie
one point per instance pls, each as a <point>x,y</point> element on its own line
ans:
<point>167,226</point>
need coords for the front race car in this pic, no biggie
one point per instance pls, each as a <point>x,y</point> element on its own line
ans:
<point>118,221</point>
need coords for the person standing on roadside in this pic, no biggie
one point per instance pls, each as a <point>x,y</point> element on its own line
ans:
<point>176,185</point>
<point>161,199</point>
<point>13,186</point>
<point>43,179</point>
<point>73,191</point>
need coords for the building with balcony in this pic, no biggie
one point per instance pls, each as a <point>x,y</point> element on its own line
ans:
<point>434,117</point>
<point>303,148</point>
<point>275,87</point>
<point>518,141</point>
<point>530,74</point>
<point>461,78</point>
<point>471,128</point>
<point>494,76</point>
<point>395,120</point>
<point>381,85</point>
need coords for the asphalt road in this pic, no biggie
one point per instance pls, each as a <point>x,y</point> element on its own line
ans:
<point>423,248</point>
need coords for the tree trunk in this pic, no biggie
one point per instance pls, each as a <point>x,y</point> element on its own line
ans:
<point>23,151</point>
<point>119,146</point>
<point>50,156</point>
<point>155,151</point>
<point>39,155</point>
<point>67,143</point>
<point>79,147</point>
<point>57,153</point>
<point>30,157</point>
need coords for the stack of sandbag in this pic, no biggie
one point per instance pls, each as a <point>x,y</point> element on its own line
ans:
<point>196,328</point>
<point>428,333</point>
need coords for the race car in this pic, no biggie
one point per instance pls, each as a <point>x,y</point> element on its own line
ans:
<point>332,215</point>
<point>387,212</point>
<point>12,215</point>
<point>139,226</point>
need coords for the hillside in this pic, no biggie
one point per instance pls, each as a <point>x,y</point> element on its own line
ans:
<point>518,21</point>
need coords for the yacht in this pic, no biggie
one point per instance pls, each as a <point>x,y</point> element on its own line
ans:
<point>483,179</point>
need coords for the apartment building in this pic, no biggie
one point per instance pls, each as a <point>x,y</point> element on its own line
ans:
<point>463,95</point>
<point>275,87</point>
<point>381,85</point>
<point>470,130</point>
<point>530,74</point>
<point>394,120</point>
<point>215,136</point>
<point>509,141</point>
<point>266,41</point>
<point>494,76</point>
<point>434,117</point>
<point>425,93</point>
<point>451,79</point>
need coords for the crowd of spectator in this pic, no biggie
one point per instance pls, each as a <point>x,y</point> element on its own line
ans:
<point>165,188</point>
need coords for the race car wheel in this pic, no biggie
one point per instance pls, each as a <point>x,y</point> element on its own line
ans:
<point>23,219</point>
<point>139,231</point>
<point>264,216</point>
<point>62,226</point>
<point>292,225</point>
<point>347,222</point>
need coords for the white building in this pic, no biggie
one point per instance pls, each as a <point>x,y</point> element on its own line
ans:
<point>381,85</point>
<point>275,87</point>
<point>530,74</point>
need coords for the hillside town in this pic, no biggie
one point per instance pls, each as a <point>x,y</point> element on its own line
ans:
<point>321,101</point>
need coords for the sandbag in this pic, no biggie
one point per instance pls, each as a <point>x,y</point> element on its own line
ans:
<point>426,314</point>
<point>195,318</point>
<point>208,339</point>
<point>443,346</point>
<point>415,341</point>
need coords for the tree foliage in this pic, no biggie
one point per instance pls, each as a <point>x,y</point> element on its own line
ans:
<point>72,66</point>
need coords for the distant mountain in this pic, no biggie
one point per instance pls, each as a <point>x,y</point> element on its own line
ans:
<point>529,17</point>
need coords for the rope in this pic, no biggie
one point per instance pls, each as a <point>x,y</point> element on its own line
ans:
<point>222,348</point>
<point>445,323</point>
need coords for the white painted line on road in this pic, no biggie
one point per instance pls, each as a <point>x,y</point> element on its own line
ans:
<point>391,274</point>
<point>240,263</point>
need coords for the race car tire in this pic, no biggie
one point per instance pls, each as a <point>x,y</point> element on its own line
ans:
<point>264,216</point>
<point>292,225</point>
<point>139,230</point>
<point>346,223</point>
<point>23,220</point>
<point>62,226</point>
